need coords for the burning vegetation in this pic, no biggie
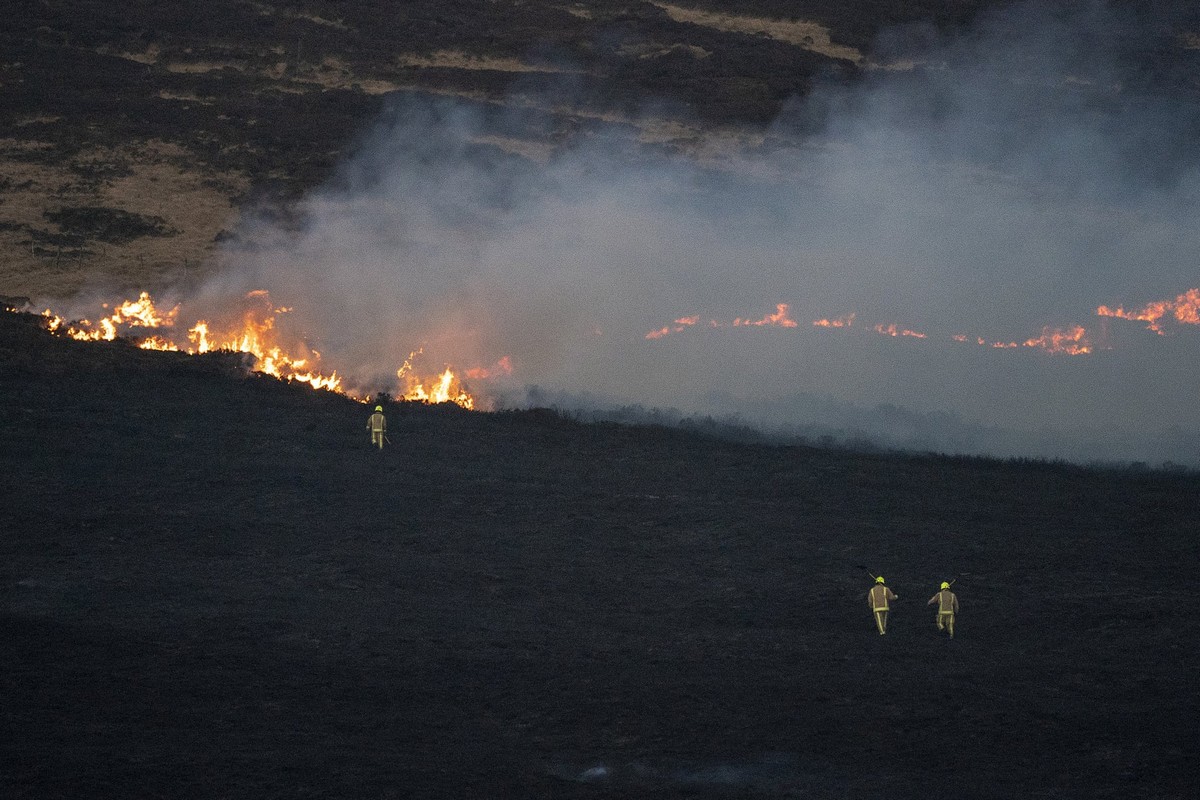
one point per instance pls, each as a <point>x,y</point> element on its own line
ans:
<point>1185,309</point>
<point>253,330</point>
<point>1074,340</point>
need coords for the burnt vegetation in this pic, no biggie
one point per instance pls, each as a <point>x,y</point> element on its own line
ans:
<point>111,225</point>
<point>214,587</point>
<point>211,586</point>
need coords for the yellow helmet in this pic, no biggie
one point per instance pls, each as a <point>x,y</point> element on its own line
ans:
<point>879,579</point>
<point>945,585</point>
<point>379,408</point>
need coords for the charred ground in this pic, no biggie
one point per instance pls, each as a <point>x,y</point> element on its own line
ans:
<point>212,587</point>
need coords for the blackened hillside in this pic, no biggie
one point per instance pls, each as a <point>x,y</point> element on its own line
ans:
<point>211,587</point>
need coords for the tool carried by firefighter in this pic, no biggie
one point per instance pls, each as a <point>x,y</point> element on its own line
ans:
<point>947,603</point>
<point>377,425</point>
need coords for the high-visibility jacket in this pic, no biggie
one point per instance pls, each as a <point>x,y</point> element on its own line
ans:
<point>947,602</point>
<point>878,597</point>
<point>377,423</point>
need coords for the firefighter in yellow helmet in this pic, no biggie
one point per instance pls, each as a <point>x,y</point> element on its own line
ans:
<point>878,599</point>
<point>947,607</point>
<point>377,425</point>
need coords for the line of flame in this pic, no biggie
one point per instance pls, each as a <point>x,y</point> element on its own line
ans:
<point>1185,309</point>
<point>1075,340</point>
<point>841,322</point>
<point>892,329</point>
<point>780,319</point>
<point>256,336</point>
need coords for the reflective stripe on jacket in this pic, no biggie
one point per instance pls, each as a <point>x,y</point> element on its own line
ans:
<point>377,423</point>
<point>878,597</point>
<point>947,602</point>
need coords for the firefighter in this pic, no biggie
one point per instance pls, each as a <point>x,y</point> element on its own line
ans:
<point>377,425</point>
<point>947,607</point>
<point>878,599</point>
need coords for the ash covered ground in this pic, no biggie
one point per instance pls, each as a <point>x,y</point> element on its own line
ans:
<point>211,587</point>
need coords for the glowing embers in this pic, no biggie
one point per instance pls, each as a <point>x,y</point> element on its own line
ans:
<point>252,328</point>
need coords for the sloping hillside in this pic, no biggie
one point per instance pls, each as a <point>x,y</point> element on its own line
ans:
<point>213,588</point>
<point>176,116</point>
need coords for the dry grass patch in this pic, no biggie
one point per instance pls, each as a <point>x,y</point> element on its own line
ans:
<point>267,11</point>
<point>903,65</point>
<point>578,10</point>
<point>539,152</point>
<point>330,73</point>
<point>808,35</point>
<point>187,97</point>
<point>336,24</point>
<point>36,120</point>
<point>150,56</point>
<point>11,145</point>
<point>456,59</point>
<point>201,67</point>
<point>333,73</point>
<point>154,180</point>
<point>659,50</point>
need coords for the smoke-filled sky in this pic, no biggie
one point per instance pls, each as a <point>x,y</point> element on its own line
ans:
<point>1011,182</point>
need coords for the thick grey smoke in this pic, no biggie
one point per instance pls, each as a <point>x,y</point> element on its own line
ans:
<point>1013,180</point>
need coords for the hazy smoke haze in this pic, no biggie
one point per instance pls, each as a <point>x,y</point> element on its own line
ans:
<point>1015,179</point>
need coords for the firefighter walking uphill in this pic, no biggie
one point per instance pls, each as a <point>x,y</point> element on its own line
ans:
<point>947,607</point>
<point>377,425</point>
<point>878,599</point>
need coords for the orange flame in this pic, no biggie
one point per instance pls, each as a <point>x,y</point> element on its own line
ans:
<point>158,343</point>
<point>780,318</point>
<point>256,334</point>
<point>501,367</point>
<point>139,313</point>
<point>894,330</point>
<point>1073,342</point>
<point>1185,309</point>
<point>446,389</point>
<point>681,324</point>
<point>841,322</point>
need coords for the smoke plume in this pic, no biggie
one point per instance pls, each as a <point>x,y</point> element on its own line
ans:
<point>1015,179</point>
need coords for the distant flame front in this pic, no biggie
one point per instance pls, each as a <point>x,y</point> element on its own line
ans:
<point>1185,309</point>
<point>1074,340</point>
<point>892,329</point>
<point>780,319</point>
